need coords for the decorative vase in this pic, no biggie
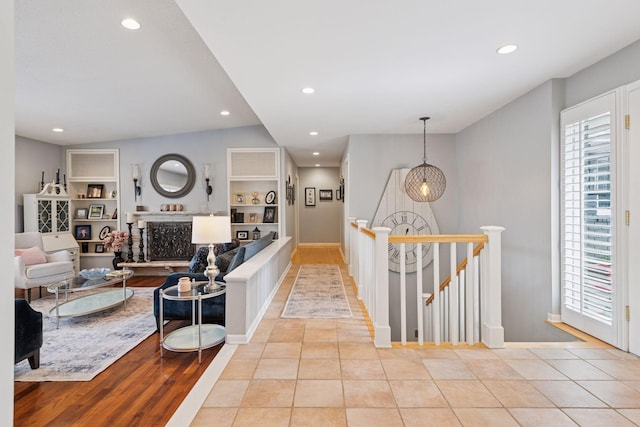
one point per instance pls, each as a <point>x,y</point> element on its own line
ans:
<point>116,259</point>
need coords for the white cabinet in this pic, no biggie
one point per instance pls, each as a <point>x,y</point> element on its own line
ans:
<point>48,212</point>
<point>94,189</point>
<point>254,199</point>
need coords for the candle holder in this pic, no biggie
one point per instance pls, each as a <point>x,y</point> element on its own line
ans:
<point>130,244</point>
<point>141,246</point>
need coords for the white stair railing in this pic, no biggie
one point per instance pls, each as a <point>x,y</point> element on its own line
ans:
<point>466,308</point>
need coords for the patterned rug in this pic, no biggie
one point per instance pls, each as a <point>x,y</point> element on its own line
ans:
<point>84,346</point>
<point>318,292</point>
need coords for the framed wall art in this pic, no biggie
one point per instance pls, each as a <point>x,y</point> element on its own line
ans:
<point>325,194</point>
<point>310,196</point>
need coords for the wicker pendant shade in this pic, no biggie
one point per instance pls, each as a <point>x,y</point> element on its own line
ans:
<point>425,182</point>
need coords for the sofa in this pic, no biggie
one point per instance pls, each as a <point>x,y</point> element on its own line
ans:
<point>213,309</point>
<point>34,268</point>
<point>28,333</point>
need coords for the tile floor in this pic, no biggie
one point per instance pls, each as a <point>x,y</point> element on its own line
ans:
<point>310,372</point>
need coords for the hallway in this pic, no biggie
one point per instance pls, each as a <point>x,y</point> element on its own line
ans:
<point>326,372</point>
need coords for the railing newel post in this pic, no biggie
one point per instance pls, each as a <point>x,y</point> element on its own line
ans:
<point>491,283</point>
<point>382,329</point>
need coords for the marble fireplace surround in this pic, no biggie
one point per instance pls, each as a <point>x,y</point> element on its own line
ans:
<point>167,235</point>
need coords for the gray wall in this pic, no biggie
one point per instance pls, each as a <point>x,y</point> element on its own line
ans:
<point>320,223</point>
<point>7,198</point>
<point>34,157</point>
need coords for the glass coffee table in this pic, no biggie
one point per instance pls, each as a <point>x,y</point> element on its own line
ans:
<point>93,302</point>
<point>197,336</point>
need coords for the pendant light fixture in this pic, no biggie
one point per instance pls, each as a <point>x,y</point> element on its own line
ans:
<point>425,182</point>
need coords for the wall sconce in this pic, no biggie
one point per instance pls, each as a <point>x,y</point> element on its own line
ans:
<point>208,187</point>
<point>135,173</point>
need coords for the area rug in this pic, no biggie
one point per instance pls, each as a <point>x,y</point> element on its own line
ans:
<point>318,292</point>
<point>84,346</point>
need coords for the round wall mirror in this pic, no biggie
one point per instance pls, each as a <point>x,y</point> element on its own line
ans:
<point>173,175</point>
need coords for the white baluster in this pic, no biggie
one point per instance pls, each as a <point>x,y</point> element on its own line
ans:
<point>476,299</point>
<point>362,223</point>
<point>461,304</point>
<point>419,293</point>
<point>453,296</point>
<point>470,294</point>
<point>436,293</point>
<point>403,295</point>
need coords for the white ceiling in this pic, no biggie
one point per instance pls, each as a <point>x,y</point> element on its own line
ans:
<point>377,65</point>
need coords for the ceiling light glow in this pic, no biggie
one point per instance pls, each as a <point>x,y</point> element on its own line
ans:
<point>313,133</point>
<point>57,130</point>
<point>307,90</point>
<point>224,113</point>
<point>315,153</point>
<point>317,165</point>
<point>130,24</point>
<point>507,49</point>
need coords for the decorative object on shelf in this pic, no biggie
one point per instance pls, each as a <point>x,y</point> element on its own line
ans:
<point>114,241</point>
<point>325,194</point>
<point>173,176</point>
<point>141,225</point>
<point>269,214</point>
<point>99,248</point>
<point>94,191</point>
<point>94,273</point>
<point>239,217</point>
<point>42,182</point>
<point>210,230</point>
<point>270,198</point>
<point>255,200</point>
<point>96,211</point>
<point>425,182</point>
<point>81,213</point>
<point>240,198</point>
<point>242,235</point>
<point>135,174</point>
<point>208,188</point>
<point>83,232</point>
<point>104,232</point>
<point>253,217</point>
<point>130,239</point>
<point>310,196</point>
<point>85,248</point>
<point>256,233</point>
<point>115,214</point>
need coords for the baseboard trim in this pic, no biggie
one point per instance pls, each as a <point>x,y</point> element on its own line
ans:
<point>553,318</point>
<point>318,245</point>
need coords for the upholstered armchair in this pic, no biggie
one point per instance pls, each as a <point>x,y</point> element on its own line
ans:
<point>28,337</point>
<point>33,268</point>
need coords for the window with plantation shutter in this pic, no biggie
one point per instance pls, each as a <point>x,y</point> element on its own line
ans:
<point>587,217</point>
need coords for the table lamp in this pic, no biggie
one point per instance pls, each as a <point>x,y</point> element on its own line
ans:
<point>210,230</point>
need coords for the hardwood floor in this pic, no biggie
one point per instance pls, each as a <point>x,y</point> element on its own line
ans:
<point>140,389</point>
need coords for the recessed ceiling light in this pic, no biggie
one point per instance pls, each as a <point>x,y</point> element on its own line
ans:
<point>313,133</point>
<point>307,90</point>
<point>506,49</point>
<point>317,165</point>
<point>57,130</point>
<point>130,24</point>
<point>315,153</point>
<point>224,113</point>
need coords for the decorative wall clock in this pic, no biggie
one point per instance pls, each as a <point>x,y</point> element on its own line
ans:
<point>402,215</point>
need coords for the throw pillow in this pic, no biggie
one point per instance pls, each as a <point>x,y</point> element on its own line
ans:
<point>222,261</point>
<point>31,256</point>
<point>220,248</point>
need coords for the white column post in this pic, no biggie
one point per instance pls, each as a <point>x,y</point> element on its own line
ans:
<point>362,223</point>
<point>492,330</point>
<point>382,338</point>
<point>350,243</point>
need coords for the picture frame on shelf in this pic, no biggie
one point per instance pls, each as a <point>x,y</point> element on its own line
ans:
<point>81,213</point>
<point>240,198</point>
<point>242,235</point>
<point>104,232</point>
<point>96,211</point>
<point>94,191</point>
<point>270,198</point>
<point>85,247</point>
<point>310,196</point>
<point>99,248</point>
<point>325,194</point>
<point>83,232</point>
<point>269,214</point>
<point>239,217</point>
<point>253,217</point>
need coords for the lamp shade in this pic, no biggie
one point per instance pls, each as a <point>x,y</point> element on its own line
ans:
<point>211,229</point>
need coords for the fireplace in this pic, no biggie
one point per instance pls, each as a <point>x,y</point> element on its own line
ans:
<point>169,241</point>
